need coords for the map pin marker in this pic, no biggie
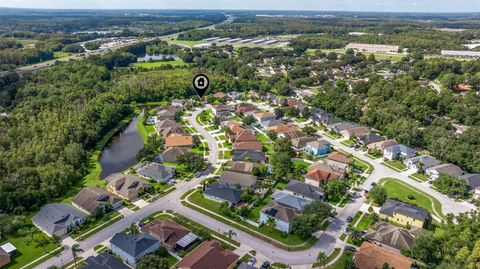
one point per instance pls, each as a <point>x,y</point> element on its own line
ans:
<point>200,83</point>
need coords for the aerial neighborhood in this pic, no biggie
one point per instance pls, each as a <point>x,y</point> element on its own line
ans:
<point>194,139</point>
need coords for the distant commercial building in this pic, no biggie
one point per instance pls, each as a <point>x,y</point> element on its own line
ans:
<point>461,53</point>
<point>373,47</point>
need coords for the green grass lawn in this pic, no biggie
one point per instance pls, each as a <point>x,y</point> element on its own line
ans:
<point>27,249</point>
<point>348,143</point>
<point>333,135</point>
<point>340,263</point>
<point>174,63</point>
<point>59,54</point>
<point>110,219</point>
<point>365,223</point>
<point>185,42</point>
<point>255,212</point>
<point>263,138</point>
<point>345,201</point>
<point>268,148</point>
<point>332,256</point>
<point>419,177</point>
<point>401,191</point>
<point>396,165</point>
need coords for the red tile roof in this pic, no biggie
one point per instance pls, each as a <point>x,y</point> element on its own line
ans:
<point>178,141</point>
<point>372,256</point>
<point>209,255</point>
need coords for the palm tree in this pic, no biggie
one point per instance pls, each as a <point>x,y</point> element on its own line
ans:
<point>56,239</point>
<point>354,235</point>
<point>230,234</point>
<point>75,249</point>
<point>134,229</point>
<point>322,259</point>
<point>271,223</point>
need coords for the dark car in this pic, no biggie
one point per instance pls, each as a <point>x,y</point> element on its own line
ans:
<point>350,248</point>
<point>373,184</point>
<point>349,219</point>
<point>265,265</point>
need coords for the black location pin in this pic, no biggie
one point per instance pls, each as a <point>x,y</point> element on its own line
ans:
<point>200,83</point>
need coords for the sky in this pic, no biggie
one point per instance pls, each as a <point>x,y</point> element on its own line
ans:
<point>320,5</point>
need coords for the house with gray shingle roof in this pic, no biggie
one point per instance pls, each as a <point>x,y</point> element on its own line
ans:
<point>404,214</point>
<point>248,155</point>
<point>156,171</point>
<point>90,199</point>
<point>282,214</point>
<point>104,260</point>
<point>223,193</point>
<point>426,160</point>
<point>233,179</point>
<point>290,200</point>
<point>58,219</point>
<point>398,151</point>
<point>131,248</point>
<point>390,236</point>
<point>446,168</point>
<point>303,190</point>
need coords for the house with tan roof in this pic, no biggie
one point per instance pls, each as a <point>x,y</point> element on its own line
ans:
<point>170,155</point>
<point>281,128</point>
<point>171,235</point>
<point>126,186</point>
<point>243,167</point>
<point>383,144</point>
<point>90,199</point>
<point>354,132</point>
<point>179,141</point>
<point>293,134</point>
<point>220,95</point>
<point>245,109</point>
<point>339,161</point>
<point>164,124</point>
<point>392,237</point>
<point>371,256</point>
<point>300,142</point>
<point>170,131</point>
<point>233,179</point>
<point>221,110</point>
<point>245,136</point>
<point>167,112</point>
<point>264,116</point>
<point>248,145</point>
<point>209,255</point>
<point>321,175</point>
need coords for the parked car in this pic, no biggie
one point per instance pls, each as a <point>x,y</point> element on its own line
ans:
<point>265,265</point>
<point>430,182</point>
<point>251,261</point>
<point>350,248</point>
<point>373,184</point>
<point>349,219</point>
<point>348,229</point>
<point>357,171</point>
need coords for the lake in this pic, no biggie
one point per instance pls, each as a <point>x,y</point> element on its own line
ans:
<point>121,151</point>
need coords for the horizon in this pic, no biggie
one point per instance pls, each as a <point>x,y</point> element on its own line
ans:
<point>390,6</point>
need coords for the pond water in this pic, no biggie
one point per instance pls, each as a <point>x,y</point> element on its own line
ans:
<point>121,151</point>
<point>156,57</point>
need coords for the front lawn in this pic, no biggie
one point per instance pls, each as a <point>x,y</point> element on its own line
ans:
<point>263,138</point>
<point>89,229</point>
<point>254,214</point>
<point>419,177</point>
<point>340,263</point>
<point>403,192</point>
<point>349,143</point>
<point>365,223</point>
<point>333,135</point>
<point>396,165</point>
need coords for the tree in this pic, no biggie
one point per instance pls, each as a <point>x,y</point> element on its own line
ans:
<point>249,120</point>
<point>279,113</point>
<point>153,262</point>
<point>354,235</point>
<point>311,219</point>
<point>306,112</point>
<point>75,250</point>
<point>335,189</point>
<point>451,185</point>
<point>332,56</point>
<point>322,259</point>
<point>192,161</point>
<point>56,240</point>
<point>43,243</point>
<point>309,130</point>
<point>272,135</point>
<point>271,223</point>
<point>151,147</point>
<point>133,229</point>
<point>378,194</point>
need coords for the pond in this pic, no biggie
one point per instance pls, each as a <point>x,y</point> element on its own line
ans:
<point>121,151</point>
<point>156,57</point>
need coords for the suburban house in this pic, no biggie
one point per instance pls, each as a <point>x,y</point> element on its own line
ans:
<point>131,248</point>
<point>264,116</point>
<point>339,161</point>
<point>321,117</point>
<point>88,200</point>
<point>234,130</point>
<point>170,155</point>
<point>58,219</point>
<point>301,142</point>
<point>446,168</point>
<point>280,128</point>
<point>156,171</point>
<point>234,179</point>
<point>354,132</point>
<point>306,191</point>
<point>104,260</point>
<point>317,147</point>
<point>398,152</point>
<point>321,174</point>
<point>292,134</point>
<point>167,112</point>
<point>287,199</point>
<point>243,167</point>
<point>381,145</point>
<point>172,131</point>
<point>180,102</point>
<point>164,124</point>
<point>372,256</point>
<point>220,95</point>
<point>4,258</point>
<point>368,139</point>
<point>233,95</point>
<point>426,160</point>
<point>251,156</point>
<point>171,235</point>
<point>271,123</point>
<point>179,141</point>
<point>472,180</point>
<point>248,145</point>
<point>292,102</point>
<point>223,193</point>
<point>405,214</point>
<point>209,255</point>
<point>9,248</point>
<point>244,136</point>
<point>392,237</point>
<point>221,110</point>
<point>340,126</point>
<point>245,109</point>
<point>126,186</point>
<point>282,214</point>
